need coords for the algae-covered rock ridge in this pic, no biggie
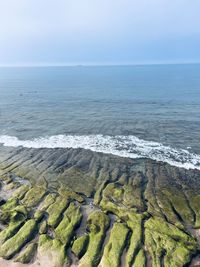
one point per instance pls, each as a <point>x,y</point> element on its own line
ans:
<point>75,207</point>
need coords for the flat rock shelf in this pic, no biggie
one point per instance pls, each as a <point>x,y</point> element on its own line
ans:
<point>75,207</point>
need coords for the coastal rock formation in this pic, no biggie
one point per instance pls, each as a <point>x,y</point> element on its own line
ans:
<point>75,207</point>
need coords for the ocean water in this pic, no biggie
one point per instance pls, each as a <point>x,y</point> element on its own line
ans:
<point>132,111</point>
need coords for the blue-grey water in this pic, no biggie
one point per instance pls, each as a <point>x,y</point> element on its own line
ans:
<point>151,111</point>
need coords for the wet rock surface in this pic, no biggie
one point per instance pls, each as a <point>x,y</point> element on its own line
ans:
<point>75,207</point>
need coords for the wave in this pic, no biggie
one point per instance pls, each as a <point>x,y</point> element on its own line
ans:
<point>124,146</point>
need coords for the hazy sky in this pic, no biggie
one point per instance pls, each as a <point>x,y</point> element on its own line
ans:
<point>99,31</point>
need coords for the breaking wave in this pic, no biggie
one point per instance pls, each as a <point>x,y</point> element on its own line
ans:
<point>124,146</point>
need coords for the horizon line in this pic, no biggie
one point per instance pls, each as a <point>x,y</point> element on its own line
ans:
<point>94,64</point>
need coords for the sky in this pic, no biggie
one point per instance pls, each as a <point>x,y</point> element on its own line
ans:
<point>65,32</point>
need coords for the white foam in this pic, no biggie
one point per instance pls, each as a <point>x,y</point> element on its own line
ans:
<point>124,146</point>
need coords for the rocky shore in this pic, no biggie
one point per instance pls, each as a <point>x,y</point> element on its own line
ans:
<point>75,207</point>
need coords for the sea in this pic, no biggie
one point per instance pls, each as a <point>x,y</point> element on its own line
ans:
<point>144,111</point>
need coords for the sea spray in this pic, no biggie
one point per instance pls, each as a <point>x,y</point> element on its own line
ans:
<point>120,145</point>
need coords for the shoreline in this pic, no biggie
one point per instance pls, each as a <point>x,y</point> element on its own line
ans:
<point>122,146</point>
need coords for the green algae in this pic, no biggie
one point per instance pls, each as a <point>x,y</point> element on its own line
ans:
<point>161,226</point>
<point>68,193</point>
<point>114,248</point>
<point>133,194</point>
<point>28,254</point>
<point>194,201</point>
<point>10,247</point>
<point>135,241</point>
<point>54,249</point>
<point>180,204</point>
<point>13,218</point>
<point>80,245</point>
<point>175,207</point>
<point>19,213</point>
<point>12,210</point>
<point>10,230</point>
<point>43,227</point>
<point>98,194</point>
<point>10,204</point>
<point>56,209</point>
<point>38,215</point>
<point>21,191</point>
<point>71,220</point>
<point>48,200</point>
<point>175,254</point>
<point>79,181</point>
<point>140,260</point>
<point>34,196</point>
<point>166,240</point>
<point>163,237</point>
<point>167,210</point>
<point>97,224</point>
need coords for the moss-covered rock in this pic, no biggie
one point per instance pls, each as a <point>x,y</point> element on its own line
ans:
<point>43,227</point>
<point>194,202</point>
<point>38,215</point>
<point>156,203</point>
<point>54,250</point>
<point>10,230</point>
<point>68,193</point>
<point>10,204</point>
<point>71,219</point>
<point>114,248</point>
<point>140,260</point>
<point>56,209</point>
<point>49,200</point>
<point>161,226</point>
<point>27,255</point>
<point>34,196</point>
<point>13,211</point>
<point>21,191</point>
<point>164,240</point>
<point>80,245</point>
<point>14,244</point>
<point>180,205</point>
<point>135,241</point>
<point>97,224</point>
